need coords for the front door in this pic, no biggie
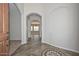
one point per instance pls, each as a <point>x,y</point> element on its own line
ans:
<point>4,36</point>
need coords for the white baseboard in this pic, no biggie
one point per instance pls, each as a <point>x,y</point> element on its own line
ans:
<point>62,47</point>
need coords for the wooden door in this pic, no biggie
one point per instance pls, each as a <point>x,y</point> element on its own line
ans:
<point>4,33</point>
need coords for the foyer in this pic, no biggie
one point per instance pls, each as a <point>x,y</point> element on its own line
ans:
<point>39,29</point>
<point>58,28</point>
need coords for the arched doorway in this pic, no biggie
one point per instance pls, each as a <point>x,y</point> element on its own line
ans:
<point>34,28</point>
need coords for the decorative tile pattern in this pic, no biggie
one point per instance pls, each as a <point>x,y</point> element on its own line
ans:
<point>42,49</point>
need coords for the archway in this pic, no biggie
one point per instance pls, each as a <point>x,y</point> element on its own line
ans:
<point>34,28</point>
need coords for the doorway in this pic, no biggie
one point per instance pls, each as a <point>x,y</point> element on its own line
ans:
<point>34,28</point>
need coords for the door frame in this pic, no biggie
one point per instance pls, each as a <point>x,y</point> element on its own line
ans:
<point>27,18</point>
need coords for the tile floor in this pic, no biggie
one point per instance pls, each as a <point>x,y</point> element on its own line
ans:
<point>14,44</point>
<point>41,49</point>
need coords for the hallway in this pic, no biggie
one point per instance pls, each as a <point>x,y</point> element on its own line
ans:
<point>55,30</point>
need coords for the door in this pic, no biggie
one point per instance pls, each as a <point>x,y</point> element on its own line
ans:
<point>4,36</point>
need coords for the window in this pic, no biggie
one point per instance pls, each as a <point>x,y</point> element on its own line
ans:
<point>36,28</point>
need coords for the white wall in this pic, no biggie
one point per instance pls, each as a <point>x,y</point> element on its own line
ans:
<point>61,26</point>
<point>15,23</point>
<point>23,23</point>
